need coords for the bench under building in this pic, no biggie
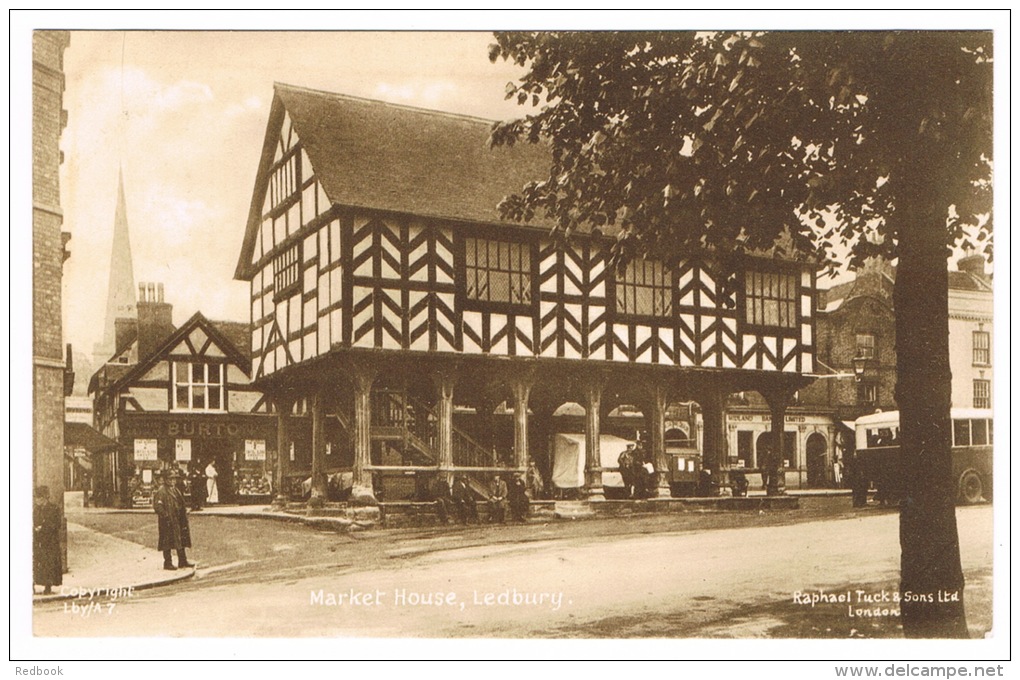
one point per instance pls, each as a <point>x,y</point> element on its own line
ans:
<point>423,335</point>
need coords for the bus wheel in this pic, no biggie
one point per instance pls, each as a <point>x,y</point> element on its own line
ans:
<point>971,488</point>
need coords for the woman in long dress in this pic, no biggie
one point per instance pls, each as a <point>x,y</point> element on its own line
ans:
<point>213,493</point>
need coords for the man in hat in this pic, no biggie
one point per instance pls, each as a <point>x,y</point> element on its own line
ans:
<point>625,464</point>
<point>464,501</point>
<point>174,532</point>
<point>47,570</point>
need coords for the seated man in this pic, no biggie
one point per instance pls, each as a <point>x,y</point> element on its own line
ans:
<point>464,501</point>
<point>443,499</point>
<point>497,500</point>
<point>518,497</point>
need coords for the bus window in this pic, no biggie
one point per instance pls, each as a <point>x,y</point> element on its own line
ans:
<point>961,432</point>
<point>979,432</point>
<point>873,438</point>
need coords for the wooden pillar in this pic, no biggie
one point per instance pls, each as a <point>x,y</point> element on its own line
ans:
<point>713,454</point>
<point>319,490</point>
<point>778,400</point>
<point>657,403</point>
<point>445,381</point>
<point>363,376</point>
<point>592,389</point>
<point>521,388</point>
<point>283,409</point>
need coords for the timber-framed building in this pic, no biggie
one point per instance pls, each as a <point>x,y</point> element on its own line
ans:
<point>390,301</point>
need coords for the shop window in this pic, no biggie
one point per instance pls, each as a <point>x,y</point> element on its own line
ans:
<point>770,299</point>
<point>982,348</point>
<point>982,394</point>
<point>866,345</point>
<point>286,273</point>
<point>199,386</point>
<point>644,289</point>
<point>497,271</point>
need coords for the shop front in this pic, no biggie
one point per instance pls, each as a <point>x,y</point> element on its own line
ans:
<point>232,455</point>
<point>809,446</point>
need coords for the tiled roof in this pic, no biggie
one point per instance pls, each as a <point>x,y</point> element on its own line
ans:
<point>967,281</point>
<point>237,333</point>
<point>378,155</point>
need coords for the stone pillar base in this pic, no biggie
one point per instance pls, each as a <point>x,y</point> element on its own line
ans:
<point>363,495</point>
<point>316,501</point>
<point>664,492</point>
<point>280,502</point>
<point>595,494</point>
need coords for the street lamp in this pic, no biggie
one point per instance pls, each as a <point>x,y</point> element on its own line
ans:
<point>860,363</point>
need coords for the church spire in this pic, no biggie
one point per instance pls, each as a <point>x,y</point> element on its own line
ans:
<point>120,301</point>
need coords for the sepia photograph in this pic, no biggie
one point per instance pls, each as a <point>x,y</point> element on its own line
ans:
<point>457,333</point>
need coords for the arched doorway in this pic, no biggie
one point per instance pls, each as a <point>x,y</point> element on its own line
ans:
<point>815,449</point>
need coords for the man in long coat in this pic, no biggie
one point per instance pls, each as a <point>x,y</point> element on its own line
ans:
<point>47,570</point>
<point>174,532</point>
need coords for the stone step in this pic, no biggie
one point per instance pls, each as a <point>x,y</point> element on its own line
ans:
<point>572,510</point>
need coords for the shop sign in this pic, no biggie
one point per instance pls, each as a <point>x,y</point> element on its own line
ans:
<point>183,449</point>
<point>254,449</point>
<point>145,449</point>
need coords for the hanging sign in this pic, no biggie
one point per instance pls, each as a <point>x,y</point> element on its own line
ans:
<point>183,449</point>
<point>254,449</point>
<point>145,449</point>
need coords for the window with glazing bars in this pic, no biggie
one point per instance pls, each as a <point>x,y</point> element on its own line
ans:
<point>982,348</point>
<point>497,271</point>
<point>982,394</point>
<point>198,386</point>
<point>645,289</point>
<point>770,299</point>
<point>286,272</point>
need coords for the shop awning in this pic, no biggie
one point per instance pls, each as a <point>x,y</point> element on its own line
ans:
<point>80,435</point>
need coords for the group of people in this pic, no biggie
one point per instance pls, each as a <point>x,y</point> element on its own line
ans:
<point>460,500</point>
<point>638,472</point>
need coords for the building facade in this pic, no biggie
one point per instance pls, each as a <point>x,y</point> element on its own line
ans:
<point>180,396</point>
<point>48,255</point>
<point>971,333</point>
<point>387,294</point>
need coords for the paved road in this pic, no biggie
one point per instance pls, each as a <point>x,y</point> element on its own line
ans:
<point>654,577</point>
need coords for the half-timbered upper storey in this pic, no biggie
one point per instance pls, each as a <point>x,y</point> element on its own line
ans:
<point>375,226</point>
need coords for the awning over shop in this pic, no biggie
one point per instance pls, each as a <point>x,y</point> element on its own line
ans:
<point>80,435</point>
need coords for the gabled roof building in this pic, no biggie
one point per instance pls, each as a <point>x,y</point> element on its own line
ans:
<point>388,294</point>
<point>180,396</point>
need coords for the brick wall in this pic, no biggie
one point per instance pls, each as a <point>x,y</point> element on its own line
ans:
<point>47,259</point>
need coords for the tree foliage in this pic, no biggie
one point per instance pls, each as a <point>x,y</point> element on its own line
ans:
<point>867,143</point>
<point>678,140</point>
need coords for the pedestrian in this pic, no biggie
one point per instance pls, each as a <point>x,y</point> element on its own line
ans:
<point>174,532</point>
<point>738,482</point>
<point>464,501</point>
<point>517,495</point>
<point>534,481</point>
<point>859,483</point>
<point>625,464</point>
<point>443,498</point>
<point>47,569</point>
<point>212,490</point>
<point>497,500</point>
<point>198,486</point>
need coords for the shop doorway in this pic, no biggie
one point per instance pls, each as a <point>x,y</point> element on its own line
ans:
<point>815,449</point>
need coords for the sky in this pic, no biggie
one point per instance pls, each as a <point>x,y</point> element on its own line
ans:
<point>184,115</point>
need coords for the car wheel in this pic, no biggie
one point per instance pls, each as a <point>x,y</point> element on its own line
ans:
<point>971,487</point>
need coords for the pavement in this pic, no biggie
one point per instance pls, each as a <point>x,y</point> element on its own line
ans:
<point>104,564</point>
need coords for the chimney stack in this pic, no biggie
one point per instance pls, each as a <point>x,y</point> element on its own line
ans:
<point>155,319</point>
<point>973,264</point>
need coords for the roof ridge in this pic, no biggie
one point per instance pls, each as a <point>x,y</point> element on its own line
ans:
<point>381,102</point>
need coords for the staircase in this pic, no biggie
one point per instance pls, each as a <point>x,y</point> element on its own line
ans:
<point>410,428</point>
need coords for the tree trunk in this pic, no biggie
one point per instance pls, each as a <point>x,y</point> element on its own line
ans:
<point>931,575</point>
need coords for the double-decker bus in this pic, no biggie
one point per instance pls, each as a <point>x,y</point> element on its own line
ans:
<point>877,439</point>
